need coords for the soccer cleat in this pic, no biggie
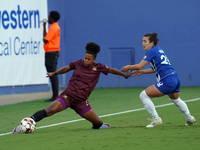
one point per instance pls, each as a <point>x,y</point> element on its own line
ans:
<point>105,126</point>
<point>190,121</point>
<point>154,123</point>
<point>16,130</point>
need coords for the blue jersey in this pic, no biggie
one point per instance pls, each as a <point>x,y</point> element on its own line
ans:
<point>159,62</point>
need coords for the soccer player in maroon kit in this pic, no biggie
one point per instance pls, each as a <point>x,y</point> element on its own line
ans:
<point>83,81</point>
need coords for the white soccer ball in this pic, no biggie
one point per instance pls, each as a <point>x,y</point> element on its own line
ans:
<point>27,125</point>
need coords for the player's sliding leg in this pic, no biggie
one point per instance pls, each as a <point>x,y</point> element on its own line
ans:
<point>39,115</point>
<point>55,107</point>
<point>95,120</point>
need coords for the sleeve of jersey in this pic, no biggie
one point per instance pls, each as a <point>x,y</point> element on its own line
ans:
<point>49,34</point>
<point>150,54</point>
<point>104,69</point>
<point>72,65</point>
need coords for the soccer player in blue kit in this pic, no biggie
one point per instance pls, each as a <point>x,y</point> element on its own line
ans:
<point>168,80</point>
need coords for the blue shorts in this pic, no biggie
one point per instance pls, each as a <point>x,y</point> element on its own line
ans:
<point>169,85</point>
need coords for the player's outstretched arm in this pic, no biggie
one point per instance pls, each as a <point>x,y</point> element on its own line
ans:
<point>147,71</point>
<point>117,72</point>
<point>135,67</point>
<point>137,73</point>
<point>60,71</point>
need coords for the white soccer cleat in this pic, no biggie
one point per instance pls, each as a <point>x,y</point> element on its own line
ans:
<point>154,123</point>
<point>105,126</point>
<point>190,121</point>
<point>16,130</point>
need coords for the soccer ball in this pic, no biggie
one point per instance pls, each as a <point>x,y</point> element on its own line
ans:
<point>27,125</point>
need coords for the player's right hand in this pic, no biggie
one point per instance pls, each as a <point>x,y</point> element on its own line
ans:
<point>136,73</point>
<point>50,74</point>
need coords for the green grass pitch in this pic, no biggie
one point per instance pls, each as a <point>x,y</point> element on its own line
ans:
<point>128,130</point>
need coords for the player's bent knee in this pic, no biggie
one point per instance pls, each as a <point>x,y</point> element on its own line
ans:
<point>143,95</point>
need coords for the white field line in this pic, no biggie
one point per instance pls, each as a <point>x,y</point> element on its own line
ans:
<point>118,113</point>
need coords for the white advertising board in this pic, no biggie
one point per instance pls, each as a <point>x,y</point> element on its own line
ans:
<point>21,45</point>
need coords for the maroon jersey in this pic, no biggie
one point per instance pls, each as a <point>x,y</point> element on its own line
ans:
<point>84,79</point>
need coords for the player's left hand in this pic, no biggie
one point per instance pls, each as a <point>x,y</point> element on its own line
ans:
<point>136,73</point>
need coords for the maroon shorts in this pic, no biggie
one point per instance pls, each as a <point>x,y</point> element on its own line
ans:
<point>80,106</point>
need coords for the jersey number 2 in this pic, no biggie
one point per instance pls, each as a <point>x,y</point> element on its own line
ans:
<point>165,60</point>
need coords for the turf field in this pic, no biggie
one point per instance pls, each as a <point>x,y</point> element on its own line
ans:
<point>128,127</point>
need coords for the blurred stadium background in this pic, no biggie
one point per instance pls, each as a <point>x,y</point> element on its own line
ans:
<point>117,26</point>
